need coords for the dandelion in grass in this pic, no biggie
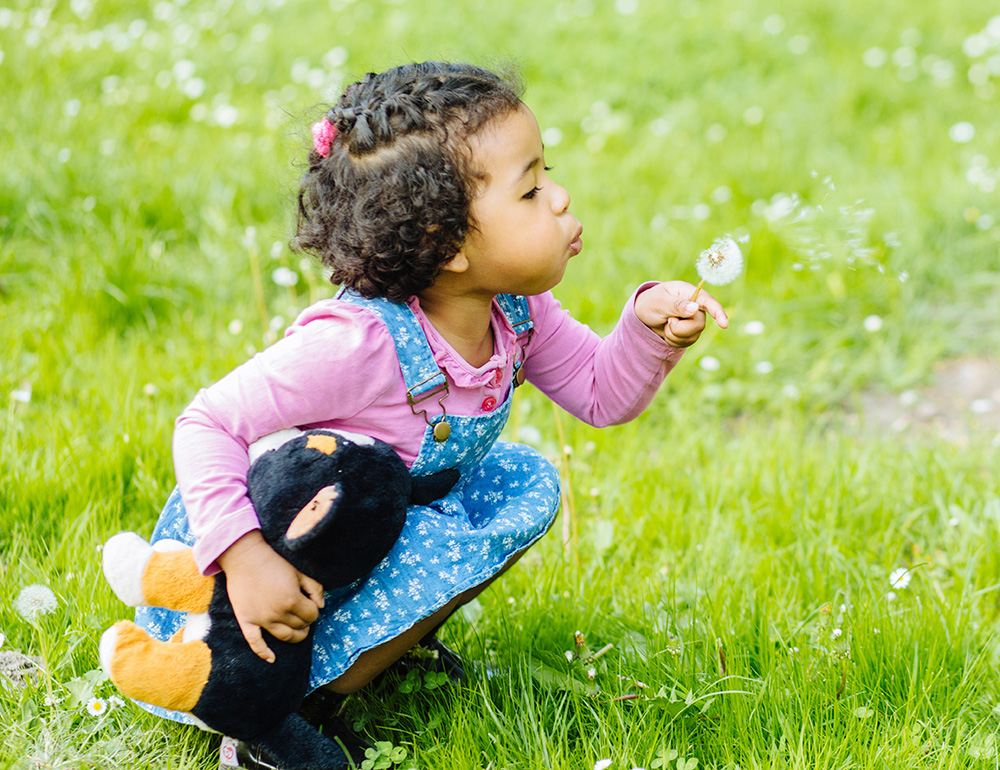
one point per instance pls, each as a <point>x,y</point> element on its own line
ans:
<point>97,707</point>
<point>899,578</point>
<point>35,601</point>
<point>719,264</point>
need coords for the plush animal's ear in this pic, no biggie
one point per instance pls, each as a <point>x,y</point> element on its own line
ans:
<point>427,489</point>
<point>309,520</point>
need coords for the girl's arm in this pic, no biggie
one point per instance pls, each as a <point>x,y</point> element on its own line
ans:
<point>612,380</point>
<point>311,376</point>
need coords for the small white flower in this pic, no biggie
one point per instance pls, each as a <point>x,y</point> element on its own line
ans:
<point>873,323</point>
<point>836,633</point>
<point>899,578</point>
<point>591,672</point>
<point>35,600</point>
<point>114,701</point>
<point>235,326</point>
<point>764,367</point>
<point>753,328</point>
<point>569,655</point>
<point>953,521</point>
<point>3,638</point>
<point>97,706</point>
<point>709,363</point>
<point>602,764</point>
<point>720,263</point>
<point>149,389</point>
<point>22,394</point>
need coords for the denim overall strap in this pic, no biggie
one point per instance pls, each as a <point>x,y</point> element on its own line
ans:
<point>515,307</point>
<point>421,374</point>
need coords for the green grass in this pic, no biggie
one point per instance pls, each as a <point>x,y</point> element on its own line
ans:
<point>734,544</point>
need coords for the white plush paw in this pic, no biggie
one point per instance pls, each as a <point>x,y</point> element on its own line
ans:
<point>124,558</point>
<point>106,649</point>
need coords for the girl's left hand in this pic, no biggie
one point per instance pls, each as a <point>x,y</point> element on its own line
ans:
<point>667,309</point>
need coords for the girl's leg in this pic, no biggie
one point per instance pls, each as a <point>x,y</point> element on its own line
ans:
<point>373,662</point>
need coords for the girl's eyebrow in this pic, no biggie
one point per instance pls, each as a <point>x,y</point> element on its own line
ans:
<point>530,165</point>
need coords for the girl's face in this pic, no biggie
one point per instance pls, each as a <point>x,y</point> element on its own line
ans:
<point>523,233</point>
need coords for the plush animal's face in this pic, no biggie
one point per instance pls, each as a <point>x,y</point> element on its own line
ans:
<point>332,506</point>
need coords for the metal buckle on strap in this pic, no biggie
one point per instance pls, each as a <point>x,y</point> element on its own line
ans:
<point>441,428</point>
<point>524,347</point>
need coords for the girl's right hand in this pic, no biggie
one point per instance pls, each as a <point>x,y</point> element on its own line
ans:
<point>268,593</point>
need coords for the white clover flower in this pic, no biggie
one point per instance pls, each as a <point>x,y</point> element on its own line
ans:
<point>720,263</point>
<point>97,707</point>
<point>899,578</point>
<point>35,600</point>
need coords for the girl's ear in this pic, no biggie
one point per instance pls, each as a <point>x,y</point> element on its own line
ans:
<point>457,264</point>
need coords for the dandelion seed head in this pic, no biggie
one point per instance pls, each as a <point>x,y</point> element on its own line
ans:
<point>284,276</point>
<point>34,601</point>
<point>720,263</point>
<point>873,323</point>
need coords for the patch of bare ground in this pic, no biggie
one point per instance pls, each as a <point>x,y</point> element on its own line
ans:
<point>960,404</point>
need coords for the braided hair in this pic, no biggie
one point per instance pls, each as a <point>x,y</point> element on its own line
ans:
<point>389,203</point>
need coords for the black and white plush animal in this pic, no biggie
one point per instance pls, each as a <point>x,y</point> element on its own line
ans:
<point>332,504</point>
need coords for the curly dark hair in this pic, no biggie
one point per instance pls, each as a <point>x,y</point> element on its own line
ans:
<point>390,202</point>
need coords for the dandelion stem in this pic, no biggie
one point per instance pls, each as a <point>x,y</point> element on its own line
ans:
<point>697,290</point>
<point>568,496</point>
<point>258,284</point>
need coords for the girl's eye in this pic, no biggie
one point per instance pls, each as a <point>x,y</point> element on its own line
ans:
<point>534,190</point>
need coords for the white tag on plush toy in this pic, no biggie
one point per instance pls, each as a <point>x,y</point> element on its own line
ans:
<point>227,752</point>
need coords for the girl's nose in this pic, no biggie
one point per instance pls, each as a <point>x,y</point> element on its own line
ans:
<point>560,199</point>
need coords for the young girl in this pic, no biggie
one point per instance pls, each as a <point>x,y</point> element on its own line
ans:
<point>428,198</point>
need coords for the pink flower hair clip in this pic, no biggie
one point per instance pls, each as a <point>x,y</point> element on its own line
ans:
<point>324,132</point>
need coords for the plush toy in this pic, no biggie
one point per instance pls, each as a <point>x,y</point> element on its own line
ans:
<point>330,503</point>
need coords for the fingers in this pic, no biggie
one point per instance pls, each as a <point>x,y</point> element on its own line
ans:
<point>713,307</point>
<point>256,641</point>
<point>313,589</point>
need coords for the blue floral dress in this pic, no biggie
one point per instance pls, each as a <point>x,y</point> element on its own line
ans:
<point>506,498</point>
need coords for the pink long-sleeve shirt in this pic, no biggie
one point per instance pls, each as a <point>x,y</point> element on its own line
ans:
<point>337,368</point>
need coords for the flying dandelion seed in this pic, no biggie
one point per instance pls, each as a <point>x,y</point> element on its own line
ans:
<point>719,264</point>
<point>35,600</point>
